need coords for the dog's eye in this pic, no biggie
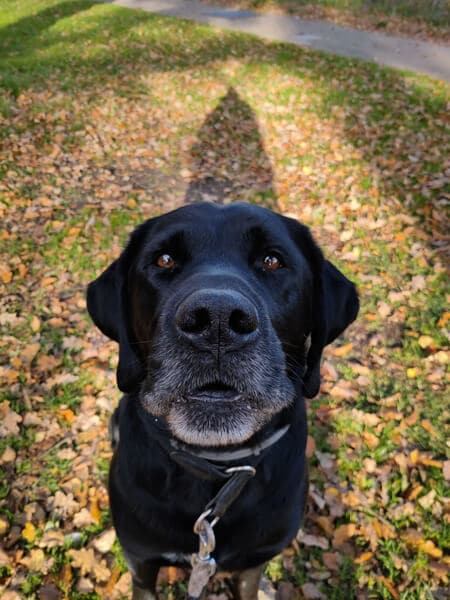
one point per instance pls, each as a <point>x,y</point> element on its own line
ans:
<point>271,262</point>
<point>165,261</point>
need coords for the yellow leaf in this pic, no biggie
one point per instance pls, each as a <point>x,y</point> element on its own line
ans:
<point>414,456</point>
<point>29,532</point>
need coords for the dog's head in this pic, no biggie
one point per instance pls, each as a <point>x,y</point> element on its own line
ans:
<point>221,314</point>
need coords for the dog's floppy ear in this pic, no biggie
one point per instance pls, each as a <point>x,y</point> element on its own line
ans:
<point>337,305</point>
<point>108,306</point>
<point>334,304</point>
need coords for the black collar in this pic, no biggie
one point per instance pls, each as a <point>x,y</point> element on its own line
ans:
<point>226,456</point>
<point>212,463</point>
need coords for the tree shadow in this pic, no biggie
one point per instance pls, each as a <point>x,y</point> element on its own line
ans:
<point>229,162</point>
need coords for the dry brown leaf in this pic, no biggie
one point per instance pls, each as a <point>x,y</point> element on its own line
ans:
<point>384,309</point>
<point>343,534</point>
<point>390,586</point>
<point>9,420</point>
<point>370,439</point>
<point>427,501</point>
<point>29,352</point>
<point>35,561</point>
<point>312,592</point>
<point>446,470</point>
<point>35,324</point>
<point>8,456</point>
<point>51,539</point>
<point>63,505</point>
<point>342,350</point>
<point>88,564</point>
<point>383,530</point>
<point>83,519</point>
<point>315,541</point>
<point>364,557</point>
<point>104,542</point>
<point>5,274</point>
<point>330,560</point>
<point>4,558</point>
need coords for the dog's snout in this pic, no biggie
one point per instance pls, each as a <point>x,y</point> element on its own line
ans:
<point>208,318</point>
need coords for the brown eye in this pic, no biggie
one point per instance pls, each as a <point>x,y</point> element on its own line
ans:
<point>271,262</point>
<point>165,261</point>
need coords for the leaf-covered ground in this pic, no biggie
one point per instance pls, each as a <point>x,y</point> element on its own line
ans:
<point>420,19</point>
<point>110,116</point>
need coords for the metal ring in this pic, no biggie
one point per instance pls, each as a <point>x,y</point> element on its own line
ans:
<point>201,518</point>
<point>246,468</point>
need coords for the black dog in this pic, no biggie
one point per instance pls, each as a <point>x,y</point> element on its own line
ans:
<point>221,314</point>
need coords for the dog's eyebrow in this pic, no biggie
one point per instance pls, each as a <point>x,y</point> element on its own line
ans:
<point>167,240</point>
<point>259,236</point>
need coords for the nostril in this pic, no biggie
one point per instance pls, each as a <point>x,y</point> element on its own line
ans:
<point>242,323</point>
<point>195,320</point>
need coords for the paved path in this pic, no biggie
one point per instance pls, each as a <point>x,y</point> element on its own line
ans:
<point>394,51</point>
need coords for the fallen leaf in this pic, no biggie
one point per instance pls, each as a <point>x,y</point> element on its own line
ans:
<point>35,561</point>
<point>343,533</point>
<point>315,541</point>
<point>364,557</point>
<point>311,592</point>
<point>9,420</point>
<point>343,350</point>
<point>29,532</point>
<point>5,274</point>
<point>52,538</point>
<point>8,456</point>
<point>35,324</point>
<point>29,352</point>
<point>86,561</point>
<point>104,542</point>
<point>446,470</point>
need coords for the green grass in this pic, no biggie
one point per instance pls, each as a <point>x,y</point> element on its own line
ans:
<point>103,110</point>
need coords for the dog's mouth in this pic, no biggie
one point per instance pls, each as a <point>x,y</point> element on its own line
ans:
<point>214,392</point>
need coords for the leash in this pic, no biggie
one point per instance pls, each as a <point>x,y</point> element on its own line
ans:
<point>198,462</point>
<point>236,477</point>
<point>203,564</point>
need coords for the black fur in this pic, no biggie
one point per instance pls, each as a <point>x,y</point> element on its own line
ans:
<point>299,309</point>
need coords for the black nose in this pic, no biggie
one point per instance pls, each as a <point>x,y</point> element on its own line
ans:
<point>210,318</point>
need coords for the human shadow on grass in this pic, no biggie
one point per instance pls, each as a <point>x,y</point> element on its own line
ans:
<point>229,162</point>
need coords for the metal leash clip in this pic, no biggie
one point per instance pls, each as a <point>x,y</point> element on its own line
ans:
<point>203,564</point>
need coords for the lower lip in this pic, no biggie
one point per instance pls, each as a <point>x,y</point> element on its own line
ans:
<point>215,396</point>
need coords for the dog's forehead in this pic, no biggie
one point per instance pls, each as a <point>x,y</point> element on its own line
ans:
<point>203,221</point>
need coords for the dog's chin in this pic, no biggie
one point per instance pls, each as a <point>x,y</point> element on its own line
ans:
<point>211,417</point>
<point>207,423</point>
<point>214,414</point>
